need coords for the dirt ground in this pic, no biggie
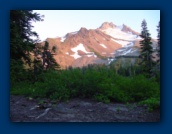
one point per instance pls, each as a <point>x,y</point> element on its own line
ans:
<point>24,109</point>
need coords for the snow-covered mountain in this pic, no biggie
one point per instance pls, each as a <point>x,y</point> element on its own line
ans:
<point>122,33</point>
<point>91,46</point>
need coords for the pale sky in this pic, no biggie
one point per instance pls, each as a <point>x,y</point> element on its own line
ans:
<point>60,22</point>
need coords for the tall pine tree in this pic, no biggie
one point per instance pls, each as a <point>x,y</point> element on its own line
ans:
<point>21,43</point>
<point>48,60</point>
<point>146,48</point>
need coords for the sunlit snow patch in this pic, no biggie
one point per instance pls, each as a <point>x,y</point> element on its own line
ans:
<point>103,45</point>
<point>126,52</point>
<point>63,39</point>
<point>89,55</point>
<point>121,42</point>
<point>82,48</point>
<point>117,33</point>
<point>110,60</point>
<point>79,47</point>
<point>76,56</point>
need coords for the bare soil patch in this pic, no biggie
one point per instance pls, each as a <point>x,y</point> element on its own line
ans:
<point>24,109</point>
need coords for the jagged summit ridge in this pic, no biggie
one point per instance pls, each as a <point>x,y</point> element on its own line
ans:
<point>127,29</point>
<point>119,32</point>
<point>107,25</point>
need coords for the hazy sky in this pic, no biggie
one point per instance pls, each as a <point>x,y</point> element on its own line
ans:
<point>59,22</point>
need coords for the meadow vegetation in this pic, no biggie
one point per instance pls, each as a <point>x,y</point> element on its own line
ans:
<point>98,82</point>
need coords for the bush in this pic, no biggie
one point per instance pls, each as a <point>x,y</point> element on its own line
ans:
<point>22,88</point>
<point>138,88</point>
<point>152,103</point>
<point>102,98</point>
<point>101,83</point>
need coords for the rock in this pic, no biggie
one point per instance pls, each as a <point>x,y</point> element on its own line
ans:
<point>43,114</point>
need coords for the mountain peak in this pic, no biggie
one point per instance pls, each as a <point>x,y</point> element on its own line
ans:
<point>83,29</point>
<point>126,28</point>
<point>107,25</point>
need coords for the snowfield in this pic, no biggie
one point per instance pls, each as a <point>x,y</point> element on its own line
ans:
<point>117,33</point>
<point>127,49</point>
<point>82,48</point>
<point>121,42</point>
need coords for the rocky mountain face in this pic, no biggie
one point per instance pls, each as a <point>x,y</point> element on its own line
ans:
<point>99,46</point>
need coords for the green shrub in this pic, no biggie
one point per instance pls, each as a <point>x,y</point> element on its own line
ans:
<point>138,88</point>
<point>102,98</point>
<point>152,103</point>
<point>98,82</point>
<point>60,94</point>
<point>22,88</point>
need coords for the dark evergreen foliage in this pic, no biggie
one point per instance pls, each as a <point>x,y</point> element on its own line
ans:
<point>48,60</point>
<point>21,43</point>
<point>146,48</point>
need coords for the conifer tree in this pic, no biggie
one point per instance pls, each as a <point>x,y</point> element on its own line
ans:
<point>21,43</point>
<point>146,48</point>
<point>48,60</point>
